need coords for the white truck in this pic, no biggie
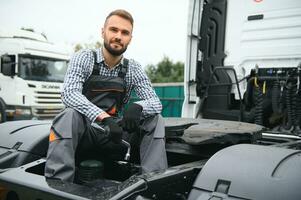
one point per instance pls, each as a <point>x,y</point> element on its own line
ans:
<point>244,62</point>
<point>31,75</point>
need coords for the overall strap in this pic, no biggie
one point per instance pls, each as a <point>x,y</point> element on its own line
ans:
<point>121,74</point>
<point>95,65</point>
<point>124,68</point>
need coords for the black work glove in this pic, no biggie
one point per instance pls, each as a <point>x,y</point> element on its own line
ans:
<point>131,118</point>
<point>113,129</point>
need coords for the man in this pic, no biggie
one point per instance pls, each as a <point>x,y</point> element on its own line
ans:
<point>96,87</point>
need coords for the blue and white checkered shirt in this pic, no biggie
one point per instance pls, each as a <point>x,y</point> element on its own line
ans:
<point>81,67</point>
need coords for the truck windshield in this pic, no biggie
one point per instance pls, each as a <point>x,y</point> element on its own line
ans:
<point>42,69</point>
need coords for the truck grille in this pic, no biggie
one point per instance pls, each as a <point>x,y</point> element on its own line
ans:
<point>48,98</point>
<point>47,104</point>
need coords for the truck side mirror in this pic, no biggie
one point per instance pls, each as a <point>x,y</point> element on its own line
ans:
<point>8,65</point>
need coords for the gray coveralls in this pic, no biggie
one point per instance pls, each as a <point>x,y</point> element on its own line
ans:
<point>75,135</point>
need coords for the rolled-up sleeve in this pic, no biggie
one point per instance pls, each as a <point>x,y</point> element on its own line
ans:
<point>142,86</point>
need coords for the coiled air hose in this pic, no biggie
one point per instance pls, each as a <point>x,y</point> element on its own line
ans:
<point>258,104</point>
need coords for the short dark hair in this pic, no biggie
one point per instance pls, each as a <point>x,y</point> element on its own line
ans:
<point>121,13</point>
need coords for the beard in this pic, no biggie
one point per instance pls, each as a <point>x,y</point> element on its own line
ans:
<point>113,51</point>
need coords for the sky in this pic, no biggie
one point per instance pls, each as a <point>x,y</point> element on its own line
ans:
<point>160,26</point>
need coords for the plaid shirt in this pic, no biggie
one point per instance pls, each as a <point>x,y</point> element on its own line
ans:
<point>81,67</point>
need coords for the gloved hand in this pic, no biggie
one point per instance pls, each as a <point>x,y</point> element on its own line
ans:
<point>114,130</point>
<point>131,118</point>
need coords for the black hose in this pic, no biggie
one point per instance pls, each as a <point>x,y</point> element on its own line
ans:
<point>258,106</point>
<point>289,106</point>
<point>276,97</point>
<point>294,105</point>
<point>297,129</point>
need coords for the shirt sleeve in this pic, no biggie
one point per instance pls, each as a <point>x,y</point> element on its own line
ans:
<point>79,69</point>
<point>142,86</point>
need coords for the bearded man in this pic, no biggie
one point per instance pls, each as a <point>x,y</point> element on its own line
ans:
<point>97,85</point>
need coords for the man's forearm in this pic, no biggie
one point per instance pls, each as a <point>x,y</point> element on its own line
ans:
<point>79,102</point>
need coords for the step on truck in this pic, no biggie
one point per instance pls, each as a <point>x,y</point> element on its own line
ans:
<point>208,159</point>
<point>31,75</point>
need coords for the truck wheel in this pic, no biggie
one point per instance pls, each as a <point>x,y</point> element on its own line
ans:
<point>2,112</point>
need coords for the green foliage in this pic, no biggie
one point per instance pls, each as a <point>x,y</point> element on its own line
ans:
<point>95,45</point>
<point>166,71</point>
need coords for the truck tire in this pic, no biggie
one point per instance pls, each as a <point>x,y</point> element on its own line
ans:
<point>2,111</point>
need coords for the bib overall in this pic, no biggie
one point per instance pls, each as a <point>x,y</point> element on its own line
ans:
<point>72,136</point>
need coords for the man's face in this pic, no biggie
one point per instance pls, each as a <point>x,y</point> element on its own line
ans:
<point>117,34</point>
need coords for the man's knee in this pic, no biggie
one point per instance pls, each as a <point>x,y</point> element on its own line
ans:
<point>69,113</point>
<point>154,125</point>
<point>68,123</point>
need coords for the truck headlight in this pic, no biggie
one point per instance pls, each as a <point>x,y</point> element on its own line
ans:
<point>22,111</point>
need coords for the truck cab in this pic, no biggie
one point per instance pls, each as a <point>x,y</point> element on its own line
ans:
<point>244,62</point>
<point>32,71</point>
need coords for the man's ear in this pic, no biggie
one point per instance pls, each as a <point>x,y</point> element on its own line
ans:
<point>102,32</point>
<point>131,39</point>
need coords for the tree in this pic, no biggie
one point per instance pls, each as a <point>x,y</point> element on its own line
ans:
<point>95,45</point>
<point>166,71</point>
